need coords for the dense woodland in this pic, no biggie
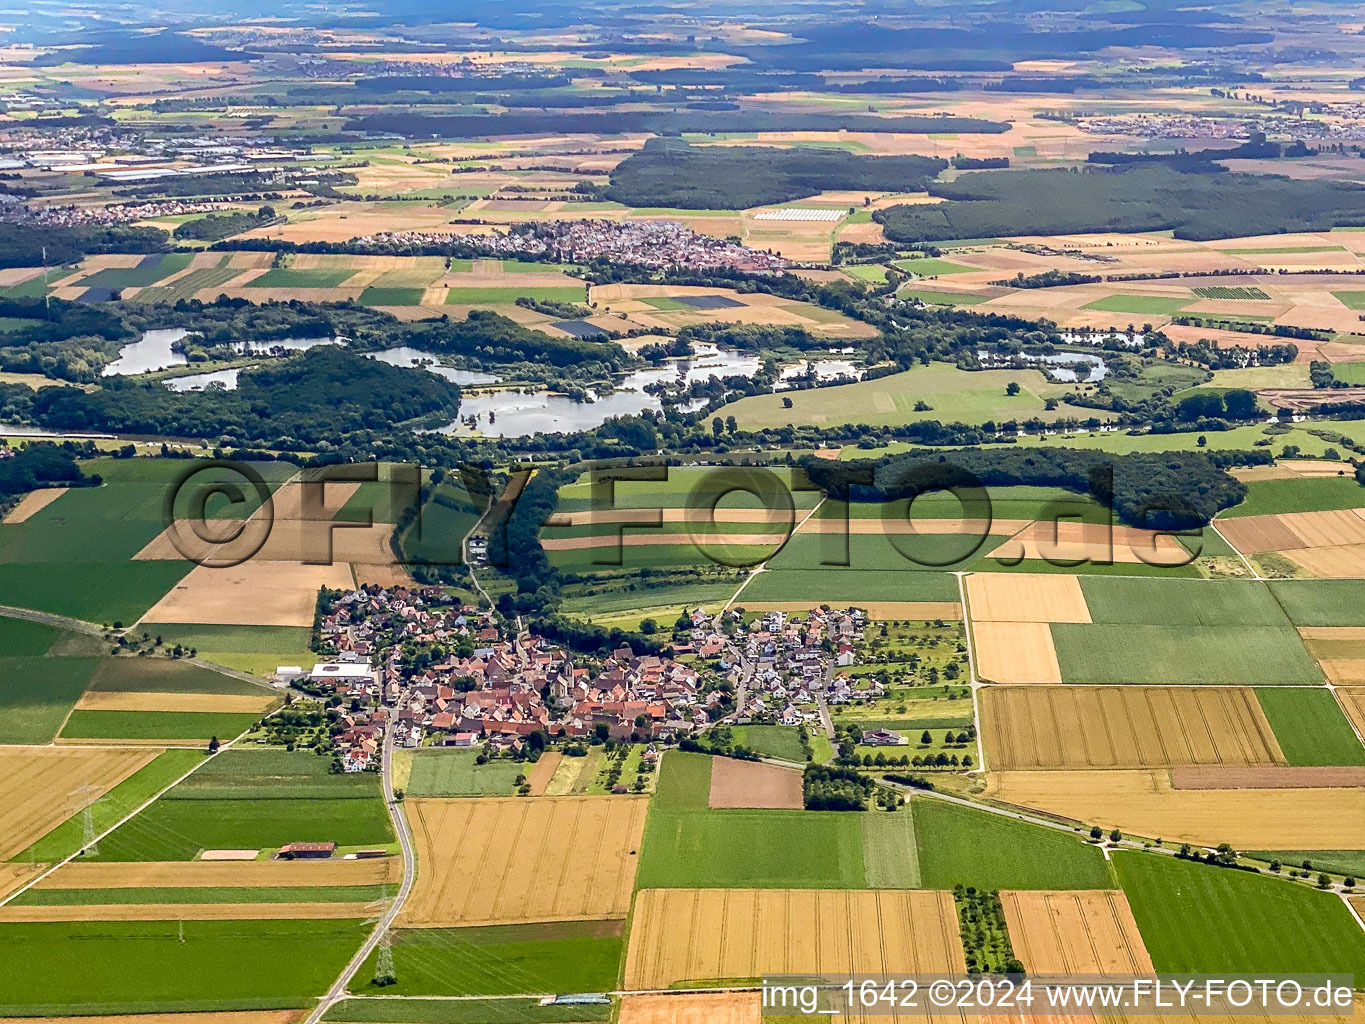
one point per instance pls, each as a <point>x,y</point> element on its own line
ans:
<point>1142,197</point>
<point>669,172</point>
<point>42,464</point>
<point>22,246</point>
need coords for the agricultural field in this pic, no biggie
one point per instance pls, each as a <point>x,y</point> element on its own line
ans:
<point>1196,918</point>
<point>1075,933</point>
<point>581,869</point>
<point>705,937</point>
<point>255,799</point>
<point>445,773</point>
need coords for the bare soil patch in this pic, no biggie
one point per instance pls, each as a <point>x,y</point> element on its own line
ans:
<point>1271,777</point>
<point>255,593</point>
<point>754,784</point>
<point>225,703</point>
<point>32,503</point>
<point>217,874</point>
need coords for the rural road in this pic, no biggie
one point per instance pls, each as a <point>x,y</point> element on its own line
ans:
<point>400,827</point>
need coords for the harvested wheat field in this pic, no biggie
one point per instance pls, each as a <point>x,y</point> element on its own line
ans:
<point>1021,597</point>
<point>1015,652</point>
<point>13,875</point>
<point>1124,727</point>
<point>1268,777</point>
<point>1340,561</point>
<point>31,504</point>
<point>543,771</point>
<point>553,859</point>
<point>692,1008</point>
<point>1092,542</point>
<point>36,784</point>
<point>251,594</point>
<point>1145,803</point>
<point>14,914</point>
<point>754,784</point>
<point>224,703</point>
<point>704,935</point>
<point>1087,932</point>
<point>1352,700</point>
<point>196,874</point>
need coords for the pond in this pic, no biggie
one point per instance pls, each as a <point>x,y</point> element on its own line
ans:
<point>1058,365</point>
<point>150,352</point>
<point>517,414</point>
<point>265,347</point>
<point>405,356</point>
<point>825,369</point>
<point>200,381</point>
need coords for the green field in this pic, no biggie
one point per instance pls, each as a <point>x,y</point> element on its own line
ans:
<point>255,649</point>
<point>116,804</point>
<point>20,638</point>
<point>464,1011</point>
<point>507,296</point>
<point>376,296</point>
<point>928,266</point>
<point>752,849</point>
<point>287,277</point>
<point>1322,602</point>
<point>890,851</point>
<point>934,553</point>
<point>1110,654</point>
<point>951,394</point>
<point>777,741</point>
<point>110,967</point>
<point>959,845</point>
<point>934,297</point>
<point>1311,727</point>
<point>454,773</point>
<point>872,273</point>
<point>1351,299</point>
<point>155,725</point>
<point>839,586</point>
<point>1148,305</point>
<point>137,276</point>
<point>36,694</point>
<point>1196,918</point>
<point>1312,494</point>
<point>684,781</point>
<point>505,960</point>
<point>255,799</point>
<point>196,280</point>
<point>164,675</point>
<point>1341,862</point>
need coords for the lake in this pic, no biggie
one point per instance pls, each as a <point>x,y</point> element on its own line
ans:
<point>150,352</point>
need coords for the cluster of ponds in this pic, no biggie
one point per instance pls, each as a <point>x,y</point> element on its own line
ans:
<point>508,413</point>
<point>1059,365</point>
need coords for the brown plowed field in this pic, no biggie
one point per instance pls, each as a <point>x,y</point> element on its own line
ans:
<point>1352,700</point>
<point>1124,727</point>
<point>1253,535</point>
<point>692,1008</point>
<point>754,784</point>
<point>218,874</point>
<point>12,914</point>
<point>32,503</point>
<point>1020,597</point>
<point>1268,778</point>
<point>704,935</point>
<point>37,783</point>
<point>1015,652</point>
<point>1144,803</point>
<point>1324,529</point>
<point>543,771</point>
<point>509,861</point>
<point>1090,932</point>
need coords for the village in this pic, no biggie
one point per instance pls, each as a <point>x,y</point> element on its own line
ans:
<point>439,673</point>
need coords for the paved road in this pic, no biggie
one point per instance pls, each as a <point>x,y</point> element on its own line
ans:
<point>400,827</point>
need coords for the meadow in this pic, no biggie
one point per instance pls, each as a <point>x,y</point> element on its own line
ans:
<point>36,695</point>
<point>960,845</point>
<point>444,773</point>
<point>777,741</point>
<point>502,960</point>
<point>1311,727</point>
<point>1195,918</point>
<point>155,725</point>
<point>157,966</point>
<point>464,1011</point>
<point>1321,602</point>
